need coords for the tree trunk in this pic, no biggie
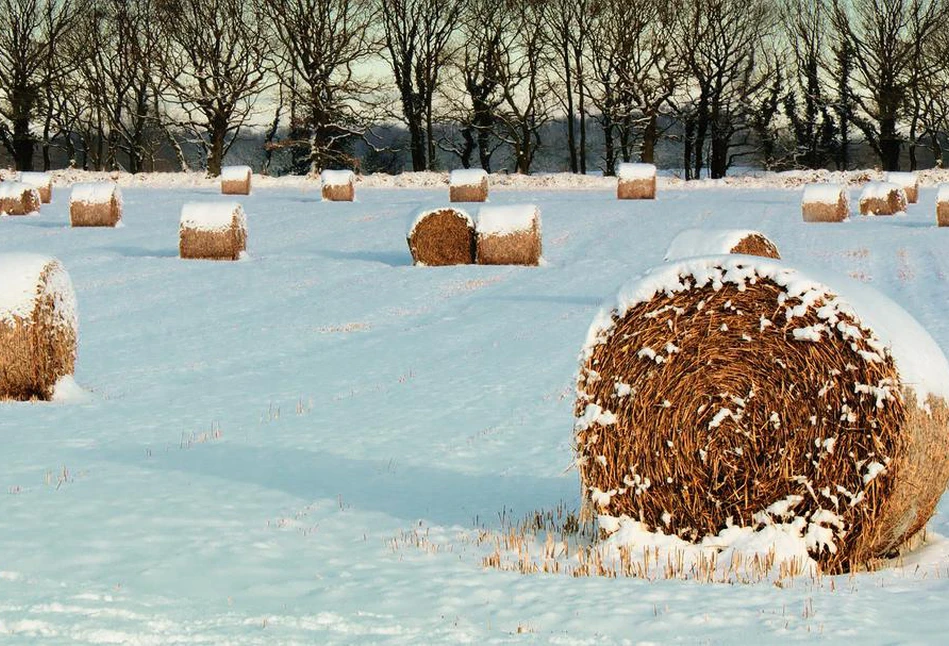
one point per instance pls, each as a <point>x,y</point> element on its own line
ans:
<point>217,132</point>
<point>889,144</point>
<point>688,145</point>
<point>571,126</point>
<point>23,144</point>
<point>609,147</point>
<point>650,138</point>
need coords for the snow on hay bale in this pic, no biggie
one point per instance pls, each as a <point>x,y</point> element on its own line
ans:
<point>636,182</point>
<point>43,182</point>
<point>508,235</point>
<point>942,205</point>
<point>17,198</point>
<point>96,204</point>
<point>212,231</point>
<point>732,394</point>
<point>909,182</point>
<point>235,180</point>
<point>38,326</point>
<point>825,203</point>
<point>338,185</point>
<point>442,237</point>
<point>882,198</point>
<point>711,242</point>
<point>468,185</point>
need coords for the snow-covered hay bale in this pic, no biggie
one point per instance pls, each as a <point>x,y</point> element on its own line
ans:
<point>338,185</point>
<point>942,206</point>
<point>442,237</point>
<point>508,235</point>
<point>215,231</point>
<point>882,198</point>
<point>38,326</point>
<point>468,185</point>
<point>909,182</point>
<point>711,242</point>
<point>825,203</point>
<point>17,198</point>
<point>636,182</point>
<point>235,180</point>
<point>730,392</point>
<point>96,204</point>
<point>43,182</point>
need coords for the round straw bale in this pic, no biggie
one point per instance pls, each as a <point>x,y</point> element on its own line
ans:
<point>212,231</point>
<point>442,237</point>
<point>468,185</point>
<point>235,180</point>
<point>825,203</point>
<point>909,182</point>
<point>17,198</point>
<point>96,204</point>
<point>942,206</point>
<point>709,242</point>
<point>636,182</point>
<point>736,391</point>
<point>338,185</point>
<point>43,182</point>
<point>882,198</point>
<point>508,235</point>
<point>38,326</point>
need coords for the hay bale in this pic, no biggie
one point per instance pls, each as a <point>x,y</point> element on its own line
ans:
<point>338,185</point>
<point>736,391</point>
<point>38,326</point>
<point>882,198</point>
<point>909,182</point>
<point>442,237</point>
<point>96,204</point>
<point>825,203</point>
<point>636,182</point>
<point>468,185</point>
<point>508,235</point>
<point>235,180</point>
<point>711,242</point>
<point>17,198</point>
<point>942,206</point>
<point>215,231</point>
<point>43,182</point>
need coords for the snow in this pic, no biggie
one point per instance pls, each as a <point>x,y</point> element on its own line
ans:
<point>505,220</point>
<point>424,213</point>
<point>942,195</point>
<point>211,216</point>
<point>878,190</point>
<point>706,242</point>
<point>903,180</point>
<point>236,173</point>
<point>337,177</point>
<point>305,447</point>
<point>468,177</point>
<point>94,193</point>
<point>636,171</point>
<point>13,189</point>
<point>825,194</point>
<point>36,180</point>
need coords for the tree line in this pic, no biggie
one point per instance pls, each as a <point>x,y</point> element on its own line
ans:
<point>112,84</point>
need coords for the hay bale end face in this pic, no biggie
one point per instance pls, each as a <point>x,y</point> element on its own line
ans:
<point>338,185</point>
<point>711,242</point>
<point>17,198</point>
<point>235,180</point>
<point>882,198</point>
<point>468,185</point>
<point>43,182</point>
<point>636,182</point>
<point>909,182</point>
<point>38,326</point>
<point>942,206</point>
<point>723,392</point>
<point>212,231</point>
<point>825,203</point>
<point>442,237</point>
<point>95,205</point>
<point>508,235</point>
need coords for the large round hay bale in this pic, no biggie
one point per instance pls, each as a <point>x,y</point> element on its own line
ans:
<point>17,198</point>
<point>468,185</point>
<point>636,182</point>
<point>508,235</point>
<point>235,180</point>
<point>212,231</point>
<point>942,206</point>
<point>723,392</point>
<point>882,198</point>
<point>908,181</point>
<point>42,182</point>
<point>95,204</point>
<point>338,185</point>
<point>38,326</point>
<point>442,237</point>
<point>825,203</point>
<point>711,242</point>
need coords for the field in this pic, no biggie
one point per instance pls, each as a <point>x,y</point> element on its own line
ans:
<point>322,443</point>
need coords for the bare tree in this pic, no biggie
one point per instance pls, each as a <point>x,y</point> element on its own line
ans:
<point>568,26</point>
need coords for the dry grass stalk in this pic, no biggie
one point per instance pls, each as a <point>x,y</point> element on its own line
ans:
<point>756,244</point>
<point>339,192</point>
<point>204,244</point>
<point>894,202</point>
<point>731,415</point>
<point>468,192</point>
<point>636,189</point>
<point>443,237</point>
<point>17,198</point>
<point>37,349</point>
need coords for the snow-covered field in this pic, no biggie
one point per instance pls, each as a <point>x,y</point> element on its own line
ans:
<point>306,446</point>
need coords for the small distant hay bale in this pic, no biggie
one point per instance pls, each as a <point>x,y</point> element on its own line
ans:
<point>235,180</point>
<point>825,203</point>
<point>508,235</point>
<point>636,182</point>
<point>724,392</point>
<point>96,204</point>
<point>338,185</point>
<point>215,231</point>
<point>882,198</point>
<point>17,198</point>
<point>711,242</point>
<point>909,182</point>
<point>468,185</point>
<point>38,326</point>
<point>942,206</point>
<point>43,182</point>
<point>442,237</point>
